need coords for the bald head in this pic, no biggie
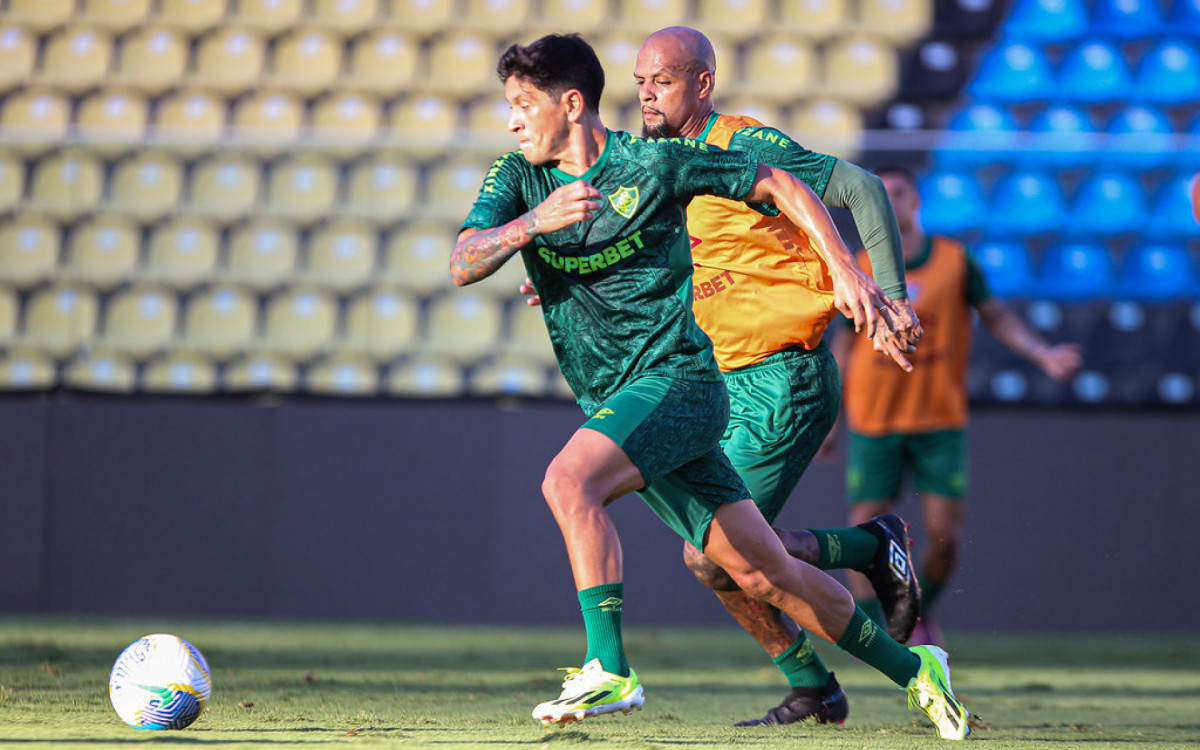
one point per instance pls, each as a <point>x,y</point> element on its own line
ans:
<point>683,49</point>
<point>674,74</point>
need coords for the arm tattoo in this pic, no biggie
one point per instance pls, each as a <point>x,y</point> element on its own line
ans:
<point>478,256</point>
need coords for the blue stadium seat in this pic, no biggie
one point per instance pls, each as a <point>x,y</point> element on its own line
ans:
<point>1169,73</point>
<point>980,133</point>
<point>1171,214</point>
<point>1140,136</point>
<point>1026,201</point>
<point>1063,137</point>
<point>1156,271</point>
<point>1007,266</point>
<point>1127,19</point>
<point>1094,71</point>
<point>1076,271</point>
<point>1013,72</point>
<point>1108,202</point>
<point>952,201</point>
<point>1191,148</point>
<point>1184,17</point>
<point>1047,20</point>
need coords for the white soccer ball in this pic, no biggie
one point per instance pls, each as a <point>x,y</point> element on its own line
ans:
<point>159,681</point>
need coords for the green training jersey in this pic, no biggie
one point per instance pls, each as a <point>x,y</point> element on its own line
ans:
<point>771,146</point>
<point>616,289</point>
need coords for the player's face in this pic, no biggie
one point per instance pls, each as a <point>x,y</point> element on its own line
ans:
<point>904,198</point>
<point>668,94</point>
<point>538,120</point>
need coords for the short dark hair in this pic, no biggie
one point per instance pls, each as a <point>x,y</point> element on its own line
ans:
<point>557,63</point>
<point>903,173</point>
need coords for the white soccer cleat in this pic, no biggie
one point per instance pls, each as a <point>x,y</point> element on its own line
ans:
<point>590,691</point>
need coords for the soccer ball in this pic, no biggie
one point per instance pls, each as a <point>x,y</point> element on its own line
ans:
<point>159,681</point>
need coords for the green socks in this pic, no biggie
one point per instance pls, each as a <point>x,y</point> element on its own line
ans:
<point>851,547</point>
<point>870,643</point>
<point>601,607</point>
<point>801,665</point>
<point>873,609</point>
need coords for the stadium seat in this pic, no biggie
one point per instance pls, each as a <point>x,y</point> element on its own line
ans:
<point>425,123</point>
<point>306,61</point>
<point>1173,212</point>
<point>1047,20</point>
<point>646,16</point>
<point>381,189</point>
<point>1026,201</point>
<point>1169,73</point>
<point>147,186</point>
<point>508,376</point>
<point>463,326</point>
<point>190,120</point>
<point>618,52</point>
<point>219,322</point>
<point>1157,271</point>
<point>25,369</point>
<point>102,252</point>
<point>1076,271</point>
<point>968,20</point>
<point>262,254</point>
<point>59,319</point>
<point>500,18</point>
<point>342,374</point>
<point>229,61</point>
<point>268,121</point>
<point>34,120</point>
<point>345,17</point>
<point>861,69</point>
<point>740,19</point>
<point>1094,72</point>
<point>40,16</point>
<point>528,338</point>
<point>302,188</point>
<point>140,321</point>
<point>268,17</point>
<point>1013,72</point>
<point>151,60</point>
<point>1127,19</point>
<point>182,253</point>
<point>341,255</point>
<point>1108,203</point>
<point>112,121</point>
<point>225,187</point>
<point>422,17</point>
<point>454,185</point>
<point>779,67</point>
<point>1007,265</point>
<point>951,201</point>
<point>381,323</point>
<point>9,308</point>
<point>817,20</point>
<point>101,371</point>
<point>829,126</point>
<point>18,50</point>
<point>901,22</point>
<point>115,16</point>
<point>76,59</point>
<point>425,377</point>
<point>29,249</point>
<point>933,69</point>
<point>1140,137</point>
<point>1063,136</point>
<point>1184,17</point>
<point>260,372</point>
<point>462,64</point>
<point>180,372</point>
<point>12,181</point>
<point>299,323</point>
<point>766,111</point>
<point>383,63</point>
<point>345,123</point>
<point>616,117</point>
<point>192,17</point>
<point>583,16</point>
<point>979,133</point>
<point>1189,156</point>
<point>415,257</point>
<point>67,185</point>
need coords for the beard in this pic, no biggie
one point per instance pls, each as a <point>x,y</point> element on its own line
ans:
<point>655,131</point>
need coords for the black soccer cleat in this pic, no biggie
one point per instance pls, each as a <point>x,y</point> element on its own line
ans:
<point>827,705</point>
<point>892,575</point>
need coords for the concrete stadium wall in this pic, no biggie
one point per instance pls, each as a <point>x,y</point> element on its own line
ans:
<point>431,511</point>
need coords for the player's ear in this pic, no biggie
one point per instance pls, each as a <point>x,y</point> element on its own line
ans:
<point>704,84</point>
<point>572,103</point>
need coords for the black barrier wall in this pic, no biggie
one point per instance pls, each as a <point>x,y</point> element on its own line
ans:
<point>431,511</point>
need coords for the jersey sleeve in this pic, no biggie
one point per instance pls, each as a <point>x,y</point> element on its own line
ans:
<point>500,198</point>
<point>772,147</point>
<point>695,168</point>
<point>977,287</point>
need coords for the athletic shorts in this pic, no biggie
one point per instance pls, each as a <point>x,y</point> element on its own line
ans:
<point>671,430</point>
<point>875,466</point>
<point>781,410</point>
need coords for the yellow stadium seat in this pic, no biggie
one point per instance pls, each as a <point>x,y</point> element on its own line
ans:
<point>12,181</point>
<point>508,376</point>
<point>738,18</point>
<point>189,120</point>
<point>416,257</point>
<point>766,111</point>
<point>899,21</point>
<point>60,319</point>
<point>645,16</point>
<point>261,372</point>
<point>779,67</point>
<point>34,120</point>
<point>180,372</point>
<point>29,249</point>
<point>220,322</point>
<point>341,255</point>
<point>147,185</point>
<point>424,123</point>
<point>463,326</point>
<point>618,54</point>
<point>102,252</point>
<point>382,189</point>
<point>140,321</point>
<point>41,16</point>
<point>423,17</point>
<point>381,324</point>
<point>182,252</point>
<point>564,16</point>
<point>67,185</point>
<point>528,338</point>
<point>345,123</point>
<point>262,254</point>
<point>225,187</point>
<point>112,121</point>
<point>18,50</point>
<point>270,17</point>
<point>814,19</point>
<point>117,16</point>
<point>347,17</point>
<point>302,188</point>
<point>487,120</point>
<point>343,374</point>
<point>9,307</point>
<point>151,60</point>
<point>829,126</point>
<point>497,17</point>
<point>453,187</point>
<point>229,61</point>
<point>425,377</point>
<point>25,369</point>
<point>269,121</point>
<point>861,69</point>
<point>307,61</point>
<point>192,16</point>
<point>103,371</point>
<point>462,64</point>
<point>384,63</point>
<point>300,323</point>
<point>76,59</point>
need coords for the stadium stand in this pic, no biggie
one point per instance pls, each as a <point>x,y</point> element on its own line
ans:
<point>182,253</point>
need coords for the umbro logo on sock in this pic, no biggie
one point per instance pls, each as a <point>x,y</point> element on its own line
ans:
<point>611,604</point>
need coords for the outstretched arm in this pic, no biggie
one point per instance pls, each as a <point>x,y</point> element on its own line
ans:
<point>1059,361</point>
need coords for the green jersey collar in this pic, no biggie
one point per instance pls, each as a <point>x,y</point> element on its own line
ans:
<point>563,177</point>
<point>712,120</point>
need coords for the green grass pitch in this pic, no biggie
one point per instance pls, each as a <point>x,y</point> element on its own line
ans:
<point>374,684</point>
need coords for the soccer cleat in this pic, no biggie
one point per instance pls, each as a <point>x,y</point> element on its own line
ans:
<point>892,576</point>
<point>590,691</point>
<point>827,705</point>
<point>930,691</point>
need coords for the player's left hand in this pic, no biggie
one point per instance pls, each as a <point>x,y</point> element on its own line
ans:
<point>531,296</point>
<point>905,322</point>
<point>1062,361</point>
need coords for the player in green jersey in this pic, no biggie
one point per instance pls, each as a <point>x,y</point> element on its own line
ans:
<point>599,220</point>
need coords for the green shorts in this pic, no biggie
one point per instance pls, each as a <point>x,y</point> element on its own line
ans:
<point>781,410</point>
<point>671,430</point>
<point>875,466</point>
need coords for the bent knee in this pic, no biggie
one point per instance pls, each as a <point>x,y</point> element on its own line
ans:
<point>706,571</point>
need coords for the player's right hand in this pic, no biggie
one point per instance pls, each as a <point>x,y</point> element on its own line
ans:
<point>531,296</point>
<point>570,204</point>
